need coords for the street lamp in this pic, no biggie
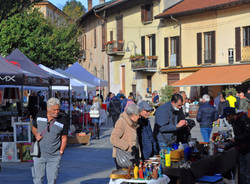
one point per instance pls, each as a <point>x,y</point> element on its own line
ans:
<point>128,50</point>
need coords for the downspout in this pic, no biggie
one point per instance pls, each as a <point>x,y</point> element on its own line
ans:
<point>178,22</point>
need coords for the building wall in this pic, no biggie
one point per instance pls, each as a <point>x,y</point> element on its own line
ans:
<point>96,58</point>
<point>51,12</point>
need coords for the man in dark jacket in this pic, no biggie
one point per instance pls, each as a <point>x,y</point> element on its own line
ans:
<point>206,115</point>
<point>166,122</point>
<point>241,128</point>
<point>114,109</point>
<point>144,132</point>
<point>222,105</point>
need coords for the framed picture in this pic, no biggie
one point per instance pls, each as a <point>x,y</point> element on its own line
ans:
<point>25,157</point>
<point>22,132</point>
<point>9,152</point>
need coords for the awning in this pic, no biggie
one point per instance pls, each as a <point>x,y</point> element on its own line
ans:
<point>217,76</point>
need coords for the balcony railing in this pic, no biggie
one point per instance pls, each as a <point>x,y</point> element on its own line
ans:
<point>115,48</point>
<point>148,64</point>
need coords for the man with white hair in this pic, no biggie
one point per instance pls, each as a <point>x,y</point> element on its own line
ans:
<point>206,115</point>
<point>51,130</point>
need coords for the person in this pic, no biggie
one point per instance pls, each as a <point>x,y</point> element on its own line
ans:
<point>183,134</point>
<point>217,101</point>
<point>123,101</point>
<point>156,97</point>
<point>231,99</point>
<point>114,109</point>
<point>237,103</point>
<point>129,101</point>
<point>206,115</point>
<point>166,122</point>
<point>241,127</point>
<point>248,95</point>
<point>222,105</point>
<point>51,130</point>
<point>243,104</point>
<point>96,107</point>
<point>124,134</point>
<point>108,98</point>
<point>145,135</point>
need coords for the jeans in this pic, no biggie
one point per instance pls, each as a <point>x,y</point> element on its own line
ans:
<point>50,165</point>
<point>206,132</point>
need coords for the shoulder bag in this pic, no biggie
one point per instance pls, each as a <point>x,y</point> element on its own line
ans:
<point>35,148</point>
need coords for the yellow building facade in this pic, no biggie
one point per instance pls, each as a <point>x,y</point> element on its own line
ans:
<point>227,28</point>
<point>126,72</point>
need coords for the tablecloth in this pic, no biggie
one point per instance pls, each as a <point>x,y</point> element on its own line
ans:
<point>163,180</point>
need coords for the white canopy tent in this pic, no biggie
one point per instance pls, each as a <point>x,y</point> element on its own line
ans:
<point>78,87</point>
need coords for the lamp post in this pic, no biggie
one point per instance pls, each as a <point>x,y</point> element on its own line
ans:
<point>128,50</point>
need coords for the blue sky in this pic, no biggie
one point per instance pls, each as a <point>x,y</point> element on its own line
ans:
<point>61,3</point>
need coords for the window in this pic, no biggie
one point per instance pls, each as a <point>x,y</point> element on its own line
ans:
<point>95,38</point>
<point>147,13</point>
<point>207,47</point>
<point>246,36</point>
<point>174,51</point>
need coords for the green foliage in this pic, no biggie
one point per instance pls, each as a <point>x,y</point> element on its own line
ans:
<point>74,9</point>
<point>228,90</point>
<point>39,40</point>
<point>166,94</point>
<point>12,7</point>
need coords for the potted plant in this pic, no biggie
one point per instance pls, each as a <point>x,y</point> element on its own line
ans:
<point>152,57</point>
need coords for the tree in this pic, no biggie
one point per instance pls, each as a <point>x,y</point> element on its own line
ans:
<point>74,9</point>
<point>166,94</point>
<point>11,7</point>
<point>39,40</point>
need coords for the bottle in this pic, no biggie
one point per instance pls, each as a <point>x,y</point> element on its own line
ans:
<point>168,158</point>
<point>136,169</point>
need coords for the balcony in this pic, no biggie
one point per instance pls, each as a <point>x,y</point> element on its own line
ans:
<point>142,63</point>
<point>115,48</point>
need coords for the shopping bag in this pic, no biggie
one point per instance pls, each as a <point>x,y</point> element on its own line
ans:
<point>94,113</point>
<point>124,158</point>
<point>35,149</point>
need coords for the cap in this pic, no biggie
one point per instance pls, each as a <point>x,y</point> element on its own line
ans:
<point>143,105</point>
<point>228,111</point>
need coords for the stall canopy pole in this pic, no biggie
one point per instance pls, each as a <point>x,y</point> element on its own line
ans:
<point>22,100</point>
<point>69,102</point>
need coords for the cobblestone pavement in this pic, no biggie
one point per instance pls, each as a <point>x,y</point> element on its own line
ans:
<point>80,164</point>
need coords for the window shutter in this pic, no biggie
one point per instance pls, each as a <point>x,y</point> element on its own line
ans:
<point>143,13</point>
<point>94,38</point>
<point>199,49</point>
<point>153,45</point>
<point>166,52</point>
<point>151,13</point>
<point>178,62</point>
<point>119,28</point>
<point>104,39</point>
<point>111,35</point>
<point>237,44</point>
<point>213,47</point>
<point>143,45</point>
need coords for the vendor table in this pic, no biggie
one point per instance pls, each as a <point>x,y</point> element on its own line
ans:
<point>163,180</point>
<point>219,163</point>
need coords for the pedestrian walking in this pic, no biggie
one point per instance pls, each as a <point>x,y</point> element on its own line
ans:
<point>206,115</point>
<point>243,105</point>
<point>232,100</point>
<point>114,109</point>
<point>54,128</point>
<point>95,115</point>
<point>222,105</point>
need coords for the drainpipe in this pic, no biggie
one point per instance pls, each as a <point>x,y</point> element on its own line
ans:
<point>178,22</point>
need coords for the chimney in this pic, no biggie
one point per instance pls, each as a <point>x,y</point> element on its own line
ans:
<point>89,4</point>
<point>101,1</point>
